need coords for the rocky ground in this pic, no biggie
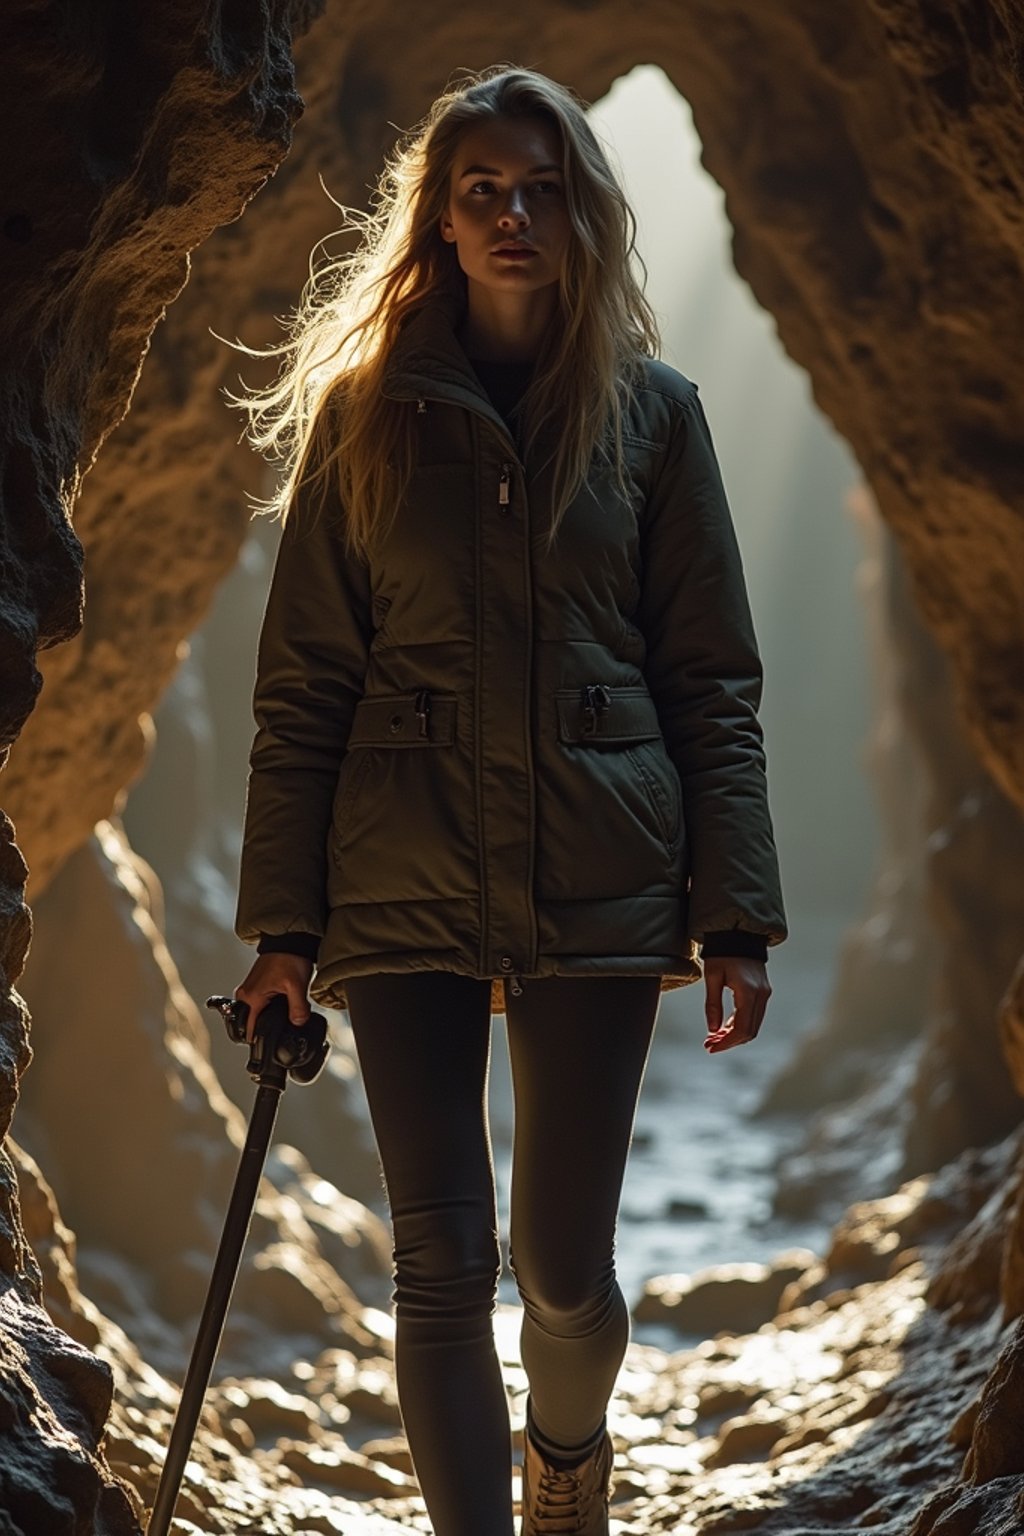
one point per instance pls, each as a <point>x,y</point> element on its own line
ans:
<point>854,1398</point>
<point>807,1396</point>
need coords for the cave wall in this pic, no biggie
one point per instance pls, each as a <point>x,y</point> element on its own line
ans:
<point>911,1050</point>
<point>101,207</point>
<point>871,159</point>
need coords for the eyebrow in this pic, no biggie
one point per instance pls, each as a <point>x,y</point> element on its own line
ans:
<point>488,170</point>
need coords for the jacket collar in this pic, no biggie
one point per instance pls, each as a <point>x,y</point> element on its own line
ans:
<point>428,362</point>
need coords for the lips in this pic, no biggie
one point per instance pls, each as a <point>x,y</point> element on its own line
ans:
<point>514,248</point>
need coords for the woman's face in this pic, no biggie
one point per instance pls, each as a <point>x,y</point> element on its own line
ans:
<point>506,213</point>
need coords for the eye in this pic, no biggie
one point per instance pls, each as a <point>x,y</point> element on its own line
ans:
<point>488,186</point>
<point>547,186</point>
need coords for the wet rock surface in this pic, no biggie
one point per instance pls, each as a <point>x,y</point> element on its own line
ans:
<point>733,1298</point>
<point>859,1404</point>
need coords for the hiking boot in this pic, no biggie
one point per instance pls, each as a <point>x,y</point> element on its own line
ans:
<point>566,1501</point>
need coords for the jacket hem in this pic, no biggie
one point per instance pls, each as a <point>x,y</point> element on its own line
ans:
<point>328,985</point>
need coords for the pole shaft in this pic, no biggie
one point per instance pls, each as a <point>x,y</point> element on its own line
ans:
<point>218,1299</point>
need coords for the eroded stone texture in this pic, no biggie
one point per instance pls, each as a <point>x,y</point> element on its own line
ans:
<point>973,1268</point>
<point>56,1397</point>
<point>132,145</point>
<point>54,1394</point>
<point>934,949</point>
<point>129,145</point>
<point>989,1497</point>
<point>997,1446</point>
<point>1011,1027</point>
<point>53,1246</point>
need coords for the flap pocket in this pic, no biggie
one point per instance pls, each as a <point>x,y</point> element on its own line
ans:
<point>419,719</point>
<point>598,714</point>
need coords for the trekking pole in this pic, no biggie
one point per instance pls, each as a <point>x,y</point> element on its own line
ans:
<point>279,1050</point>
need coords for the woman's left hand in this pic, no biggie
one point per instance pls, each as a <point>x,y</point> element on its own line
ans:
<point>747,980</point>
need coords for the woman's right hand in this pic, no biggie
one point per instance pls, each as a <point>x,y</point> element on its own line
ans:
<point>274,975</point>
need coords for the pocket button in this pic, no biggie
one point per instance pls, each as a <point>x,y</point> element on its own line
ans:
<point>395,724</point>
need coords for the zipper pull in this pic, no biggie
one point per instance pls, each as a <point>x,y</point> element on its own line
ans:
<point>504,486</point>
<point>596,701</point>
<point>517,987</point>
<point>421,407</point>
<point>423,711</point>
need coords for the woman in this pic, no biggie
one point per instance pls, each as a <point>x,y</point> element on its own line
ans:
<point>507,755</point>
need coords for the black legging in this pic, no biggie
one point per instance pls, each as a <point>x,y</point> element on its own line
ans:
<point>578,1048</point>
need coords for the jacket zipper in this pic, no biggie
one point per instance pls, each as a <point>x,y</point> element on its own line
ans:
<point>596,702</point>
<point>504,502</point>
<point>528,733</point>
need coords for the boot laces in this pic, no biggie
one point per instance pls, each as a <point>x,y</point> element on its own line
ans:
<point>562,1501</point>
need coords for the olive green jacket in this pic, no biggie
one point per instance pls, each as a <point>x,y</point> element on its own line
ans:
<point>477,755</point>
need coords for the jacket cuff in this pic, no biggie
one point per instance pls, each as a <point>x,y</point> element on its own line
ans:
<point>305,944</point>
<point>735,941</point>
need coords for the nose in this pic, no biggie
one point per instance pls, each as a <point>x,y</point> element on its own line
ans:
<point>515,214</point>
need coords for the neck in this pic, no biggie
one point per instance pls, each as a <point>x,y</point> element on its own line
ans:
<point>507,327</point>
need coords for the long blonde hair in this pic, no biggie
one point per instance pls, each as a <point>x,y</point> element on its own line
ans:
<point>325,417</point>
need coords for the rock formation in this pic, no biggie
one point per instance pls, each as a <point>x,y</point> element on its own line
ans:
<point>101,210</point>
<point>123,1109</point>
<point>912,1027</point>
<point>871,160</point>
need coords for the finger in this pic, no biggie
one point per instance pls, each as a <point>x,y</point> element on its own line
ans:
<point>721,1040</point>
<point>255,1009</point>
<point>714,981</point>
<point>744,1024</point>
<point>745,1018</point>
<point>257,1001</point>
<point>298,1005</point>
